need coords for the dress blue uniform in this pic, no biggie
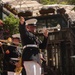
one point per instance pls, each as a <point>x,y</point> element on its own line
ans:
<point>31,43</point>
<point>8,65</point>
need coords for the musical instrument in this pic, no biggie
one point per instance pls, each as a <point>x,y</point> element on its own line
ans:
<point>14,61</point>
<point>50,29</point>
<point>9,42</point>
<point>73,56</point>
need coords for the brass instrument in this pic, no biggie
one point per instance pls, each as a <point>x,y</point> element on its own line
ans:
<point>18,68</point>
<point>50,29</point>
<point>8,41</point>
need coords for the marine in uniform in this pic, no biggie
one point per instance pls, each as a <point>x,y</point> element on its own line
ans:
<point>10,54</point>
<point>7,52</point>
<point>31,43</point>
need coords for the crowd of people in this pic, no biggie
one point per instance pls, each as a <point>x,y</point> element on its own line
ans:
<point>13,56</point>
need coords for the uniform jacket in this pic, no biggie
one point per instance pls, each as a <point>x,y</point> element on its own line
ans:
<point>30,38</point>
<point>10,52</point>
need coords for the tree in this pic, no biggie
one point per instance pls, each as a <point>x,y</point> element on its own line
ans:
<point>11,25</point>
<point>72,2</point>
<point>45,2</point>
<point>48,1</point>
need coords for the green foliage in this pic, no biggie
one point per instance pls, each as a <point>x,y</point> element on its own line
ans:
<point>48,1</point>
<point>11,24</point>
<point>71,2</point>
<point>64,2</point>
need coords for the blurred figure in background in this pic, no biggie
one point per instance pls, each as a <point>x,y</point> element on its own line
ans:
<point>11,55</point>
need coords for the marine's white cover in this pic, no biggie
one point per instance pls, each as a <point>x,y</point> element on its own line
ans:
<point>31,21</point>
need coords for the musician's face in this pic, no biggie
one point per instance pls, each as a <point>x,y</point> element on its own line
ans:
<point>16,41</point>
<point>31,28</point>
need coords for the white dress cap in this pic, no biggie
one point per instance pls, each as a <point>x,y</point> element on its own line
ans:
<point>16,35</point>
<point>31,22</point>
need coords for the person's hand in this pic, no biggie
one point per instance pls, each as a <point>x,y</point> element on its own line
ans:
<point>45,32</point>
<point>22,20</point>
<point>0,44</point>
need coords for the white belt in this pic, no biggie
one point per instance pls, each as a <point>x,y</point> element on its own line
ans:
<point>30,45</point>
